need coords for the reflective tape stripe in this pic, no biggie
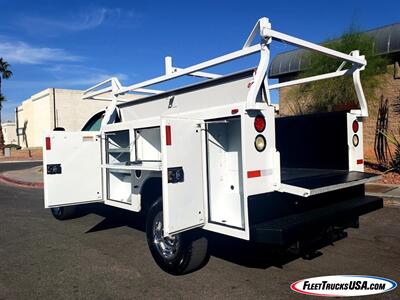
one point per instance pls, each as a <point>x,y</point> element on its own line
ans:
<point>48,143</point>
<point>168,135</point>
<point>255,173</point>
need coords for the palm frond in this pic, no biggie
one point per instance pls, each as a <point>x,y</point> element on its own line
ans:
<point>2,99</point>
<point>5,69</point>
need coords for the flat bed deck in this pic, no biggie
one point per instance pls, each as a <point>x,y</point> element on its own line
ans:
<point>307,182</point>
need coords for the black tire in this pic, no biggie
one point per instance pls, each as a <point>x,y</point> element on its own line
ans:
<point>65,212</point>
<point>189,251</point>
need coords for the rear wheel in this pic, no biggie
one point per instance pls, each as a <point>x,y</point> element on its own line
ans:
<point>180,254</point>
<point>64,213</point>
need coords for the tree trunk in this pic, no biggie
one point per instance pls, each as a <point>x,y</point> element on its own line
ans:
<point>1,141</point>
<point>1,129</point>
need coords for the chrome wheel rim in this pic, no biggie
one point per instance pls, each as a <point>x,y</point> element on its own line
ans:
<point>167,247</point>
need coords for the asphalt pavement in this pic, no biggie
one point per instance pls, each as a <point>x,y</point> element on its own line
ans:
<point>10,166</point>
<point>104,255</point>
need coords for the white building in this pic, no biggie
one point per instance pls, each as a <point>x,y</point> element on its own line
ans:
<point>9,133</point>
<point>53,108</point>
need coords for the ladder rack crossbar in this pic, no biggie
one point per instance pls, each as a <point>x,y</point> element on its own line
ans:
<point>267,35</point>
<point>201,66</point>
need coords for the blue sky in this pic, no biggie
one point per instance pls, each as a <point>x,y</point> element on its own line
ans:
<point>75,44</point>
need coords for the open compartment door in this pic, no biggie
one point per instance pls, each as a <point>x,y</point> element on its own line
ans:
<point>182,174</point>
<point>71,168</point>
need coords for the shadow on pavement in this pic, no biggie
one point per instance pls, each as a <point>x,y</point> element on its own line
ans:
<point>244,253</point>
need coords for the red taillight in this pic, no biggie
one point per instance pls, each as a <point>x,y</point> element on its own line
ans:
<point>48,143</point>
<point>355,126</point>
<point>360,161</point>
<point>259,123</point>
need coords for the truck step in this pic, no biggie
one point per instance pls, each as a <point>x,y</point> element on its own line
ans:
<point>289,229</point>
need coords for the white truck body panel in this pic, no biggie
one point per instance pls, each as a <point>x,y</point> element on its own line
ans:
<point>209,96</point>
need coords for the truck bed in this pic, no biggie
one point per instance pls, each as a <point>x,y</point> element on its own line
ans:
<point>307,182</point>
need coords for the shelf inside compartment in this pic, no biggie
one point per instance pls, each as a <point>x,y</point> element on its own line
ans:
<point>119,150</point>
<point>117,147</point>
<point>145,166</point>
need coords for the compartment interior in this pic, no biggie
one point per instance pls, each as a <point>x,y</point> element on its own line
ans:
<point>148,144</point>
<point>224,161</point>
<point>119,185</point>
<point>118,154</point>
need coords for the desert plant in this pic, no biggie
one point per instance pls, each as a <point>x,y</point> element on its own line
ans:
<point>15,146</point>
<point>394,164</point>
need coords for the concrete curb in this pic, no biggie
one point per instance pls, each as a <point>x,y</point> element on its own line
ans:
<point>388,200</point>
<point>19,161</point>
<point>20,183</point>
<point>392,197</point>
<point>391,202</point>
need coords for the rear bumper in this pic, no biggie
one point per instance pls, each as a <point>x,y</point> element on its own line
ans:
<point>296,227</point>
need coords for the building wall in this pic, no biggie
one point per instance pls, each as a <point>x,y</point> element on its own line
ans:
<point>9,133</point>
<point>34,118</point>
<point>52,108</point>
<point>389,88</point>
<point>72,112</point>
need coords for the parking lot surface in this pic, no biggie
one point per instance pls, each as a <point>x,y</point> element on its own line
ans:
<point>104,255</point>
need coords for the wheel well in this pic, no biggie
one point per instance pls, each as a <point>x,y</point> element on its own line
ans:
<point>150,192</point>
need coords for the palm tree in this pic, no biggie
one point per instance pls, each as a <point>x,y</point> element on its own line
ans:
<point>5,73</point>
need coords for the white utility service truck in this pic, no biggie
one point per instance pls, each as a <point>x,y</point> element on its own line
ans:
<point>214,156</point>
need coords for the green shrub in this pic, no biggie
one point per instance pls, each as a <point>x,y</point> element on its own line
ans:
<point>15,146</point>
<point>325,94</point>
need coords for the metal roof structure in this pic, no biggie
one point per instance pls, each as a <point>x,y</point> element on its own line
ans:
<point>387,41</point>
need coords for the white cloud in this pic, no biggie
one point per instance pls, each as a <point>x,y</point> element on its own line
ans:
<point>79,75</point>
<point>17,52</point>
<point>66,76</point>
<point>82,21</point>
<point>78,21</point>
